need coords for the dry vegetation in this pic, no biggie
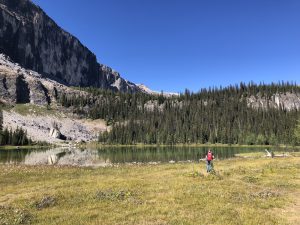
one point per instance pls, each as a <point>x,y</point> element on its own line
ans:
<point>242,191</point>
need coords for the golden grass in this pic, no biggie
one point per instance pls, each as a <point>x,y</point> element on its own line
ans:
<point>242,191</point>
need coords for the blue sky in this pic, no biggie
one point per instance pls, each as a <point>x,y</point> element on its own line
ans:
<point>171,45</point>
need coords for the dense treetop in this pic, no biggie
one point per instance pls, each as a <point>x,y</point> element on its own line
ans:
<point>213,115</point>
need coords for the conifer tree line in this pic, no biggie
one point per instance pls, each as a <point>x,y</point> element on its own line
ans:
<point>10,137</point>
<point>1,119</point>
<point>16,137</point>
<point>213,115</point>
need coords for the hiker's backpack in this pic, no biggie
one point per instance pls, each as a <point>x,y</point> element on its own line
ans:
<point>209,156</point>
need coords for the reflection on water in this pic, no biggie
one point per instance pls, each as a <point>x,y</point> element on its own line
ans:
<point>40,157</point>
<point>113,155</point>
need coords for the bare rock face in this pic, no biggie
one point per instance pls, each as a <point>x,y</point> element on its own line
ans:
<point>18,85</point>
<point>32,39</point>
<point>287,101</point>
<point>38,127</point>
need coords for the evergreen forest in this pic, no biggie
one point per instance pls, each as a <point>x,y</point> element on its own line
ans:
<point>212,115</point>
<point>10,137</point>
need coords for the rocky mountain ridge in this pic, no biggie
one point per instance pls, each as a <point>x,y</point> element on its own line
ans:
<point>32,39</point>
<point>19,85</point>
<point>39,62</point>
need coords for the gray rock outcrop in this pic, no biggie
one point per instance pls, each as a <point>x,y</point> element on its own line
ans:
<point>287,101</point>
<point>55,133</point>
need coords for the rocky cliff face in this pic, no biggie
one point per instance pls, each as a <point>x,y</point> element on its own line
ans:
<point>19,85</point>
<point>287,101</point>
<point>32,39</point>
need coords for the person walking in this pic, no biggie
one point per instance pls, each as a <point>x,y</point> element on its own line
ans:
<point>209,158</point>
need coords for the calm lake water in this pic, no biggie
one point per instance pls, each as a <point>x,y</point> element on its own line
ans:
<point>117,155</point>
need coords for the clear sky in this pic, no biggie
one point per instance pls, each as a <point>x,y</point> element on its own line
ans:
<point>171,45</point>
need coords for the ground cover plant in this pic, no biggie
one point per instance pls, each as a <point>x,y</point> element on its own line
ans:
<point>241,191</point>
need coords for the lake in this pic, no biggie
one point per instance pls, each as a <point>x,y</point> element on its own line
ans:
<point>105,156</point>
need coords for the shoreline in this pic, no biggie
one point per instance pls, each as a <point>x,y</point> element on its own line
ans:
<point>93,144</point>
<point>11,147</point>
<point>99,145</point>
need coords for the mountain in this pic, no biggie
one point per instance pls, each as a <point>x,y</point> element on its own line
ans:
<point>19,85</point>
<point>33,40</point>
<point>231,114</point>
<point>40,62</point>
<point>147,90</point>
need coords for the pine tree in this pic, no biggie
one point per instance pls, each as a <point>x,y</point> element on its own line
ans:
<point>1,119</point>
<point>1,127</point>
<point>297,132</point>
<point>216,115</point>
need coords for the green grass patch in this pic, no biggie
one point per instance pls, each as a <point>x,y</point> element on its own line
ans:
<point>10,147</point>
<point>31,109</point>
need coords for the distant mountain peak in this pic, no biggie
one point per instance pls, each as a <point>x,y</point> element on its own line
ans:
<point>147,90</point>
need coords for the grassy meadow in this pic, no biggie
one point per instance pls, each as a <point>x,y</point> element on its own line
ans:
<point>241,191</point>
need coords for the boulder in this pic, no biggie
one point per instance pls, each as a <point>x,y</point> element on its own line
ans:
<point>55,133</point>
